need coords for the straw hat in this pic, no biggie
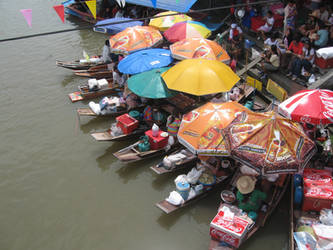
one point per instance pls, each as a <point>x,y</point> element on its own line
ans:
<point>245,184</point>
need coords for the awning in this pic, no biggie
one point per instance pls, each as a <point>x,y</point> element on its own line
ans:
<point>174,5</point>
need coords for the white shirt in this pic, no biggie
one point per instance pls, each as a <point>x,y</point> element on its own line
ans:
<point>308,54</point>
<point>106,54</point>
<point>117,78</point>
<point>269,21</point>
<point>269,42</point>
<point>231,32</point>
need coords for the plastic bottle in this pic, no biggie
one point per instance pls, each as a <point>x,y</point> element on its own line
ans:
<point>155,130</point>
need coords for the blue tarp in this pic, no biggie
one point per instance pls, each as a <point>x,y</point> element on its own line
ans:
<point>115,28</point>
<point>174,5</point>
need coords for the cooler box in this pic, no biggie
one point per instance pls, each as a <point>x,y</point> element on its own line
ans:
<point>157,142</point>
<point>127,123</point>
<point>324,64</point>
<point>231,232</point>
<point>317,197</point>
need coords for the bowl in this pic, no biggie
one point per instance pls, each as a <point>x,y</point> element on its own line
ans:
<point>228,196</point>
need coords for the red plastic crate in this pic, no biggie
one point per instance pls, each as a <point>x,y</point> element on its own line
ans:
<point>158,141</point>
<point>127,123</point>
<point>324,64</point>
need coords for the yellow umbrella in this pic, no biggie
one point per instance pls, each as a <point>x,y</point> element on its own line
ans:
<point>200,77</point>
<point>163,22</point>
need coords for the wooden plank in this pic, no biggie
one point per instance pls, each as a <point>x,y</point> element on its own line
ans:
<point>249,66</point>
<point>102,136</point>
<point>85,112</point>
<point>317,84</point>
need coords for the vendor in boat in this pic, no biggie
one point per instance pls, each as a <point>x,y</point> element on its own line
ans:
<point>214,164</point>
<point>119,78</point>
<point>106,57</point>
<point>173,123</point>
<point>132,100</point>
<point>249,198</point>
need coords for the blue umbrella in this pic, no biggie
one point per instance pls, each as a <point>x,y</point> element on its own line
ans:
<point>145,60</point>
<point>115,28</point>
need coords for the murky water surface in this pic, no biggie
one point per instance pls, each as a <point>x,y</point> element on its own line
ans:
<point>59,188</point>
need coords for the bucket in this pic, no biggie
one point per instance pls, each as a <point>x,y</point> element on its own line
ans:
<point>225,163</point>
<point>183,188</point>
<point>135,114</point>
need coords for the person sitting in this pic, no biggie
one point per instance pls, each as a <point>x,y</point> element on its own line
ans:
<point>119,78</point>
<point>120,13</point>
<point>271,62</point>
<point>309,27</point>
<point>295,50</point>
<point>305,60</point>
<point>320,38</point>
<point>267,27</point>
<point>235,32</point>
<point>271,40</point>
<point>321,13</point>
<point>131,99</point>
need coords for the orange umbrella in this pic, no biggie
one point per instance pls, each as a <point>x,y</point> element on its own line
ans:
<point>135,38</point>
<point>199,48</point>
<point>269,143</point>
<point>200,129</point>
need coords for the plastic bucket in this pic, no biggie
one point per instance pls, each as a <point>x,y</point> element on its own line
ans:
<point>135,114</point>
<point>183,189</point>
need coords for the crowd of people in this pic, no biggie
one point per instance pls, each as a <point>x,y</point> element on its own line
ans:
<point>307,26</point>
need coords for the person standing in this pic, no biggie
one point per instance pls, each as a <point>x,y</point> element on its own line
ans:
<point>106,52</point>
<point>290,13</point>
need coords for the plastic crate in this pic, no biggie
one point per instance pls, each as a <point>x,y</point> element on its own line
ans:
<point>127,123</point>
<point>324,64</point>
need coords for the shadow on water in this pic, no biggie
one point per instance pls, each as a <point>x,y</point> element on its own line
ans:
<point>167,221</point>
<point>68,78</point>
<point>104,161</point>
<point>129,172</point>
<point>89,124</point>
<point>161,181</point>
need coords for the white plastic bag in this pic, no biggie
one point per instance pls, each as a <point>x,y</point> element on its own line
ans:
<point>175,198</point>
<point>95,107</point>
<point>191,194</point>
<point>92,83</point>
<point>312,79</point>
<point>193,176</point>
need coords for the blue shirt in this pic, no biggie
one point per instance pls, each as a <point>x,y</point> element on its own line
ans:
<point>323,38</point>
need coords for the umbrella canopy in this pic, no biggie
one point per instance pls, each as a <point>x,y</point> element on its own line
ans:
<point>188,29</point>
<point>149,84</point>
<point>199,48</point>
<point>310,106</point>
<point>162,22</point>
<point>135,38</point>
<point>200,129</point>
<point>110,28</point>
<point>200,77</point>
<point>269,143</point>
<point>145,60</point>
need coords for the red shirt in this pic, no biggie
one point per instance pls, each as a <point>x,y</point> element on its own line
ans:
<point>297,49</point>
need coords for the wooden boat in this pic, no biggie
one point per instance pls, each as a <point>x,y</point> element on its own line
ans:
<point>84,93</point>
<point>89,112</point>
<point>98,74</point>
<point>107,136</point>
<point>190,160</point>
<point>169,208</point>
<point>76,65</point>
<point>132,153</point>
<point>80,10</point>
<point>272,200</point>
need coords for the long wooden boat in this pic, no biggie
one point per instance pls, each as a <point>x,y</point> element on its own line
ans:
<point>72,8</point>
<point>84,93</point>
<point>98,74</point>
<point>189,160</point>
<point>273,199</point>
<point>89,112</point>
<point>132,153</point>
<point>169,208</point>
<point>107,136</point>
<point>77,65</point>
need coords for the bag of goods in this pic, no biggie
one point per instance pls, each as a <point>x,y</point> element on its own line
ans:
<point>207,178</point>
<point>193,176</point>
<point>95,107</point>
<point>92,83</point>
<point>102,83</point>
<point>175,198</point>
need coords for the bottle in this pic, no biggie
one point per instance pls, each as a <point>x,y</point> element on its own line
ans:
<point>155,130</point>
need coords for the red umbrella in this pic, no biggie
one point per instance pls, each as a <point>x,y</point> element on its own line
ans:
<point>310,106</point>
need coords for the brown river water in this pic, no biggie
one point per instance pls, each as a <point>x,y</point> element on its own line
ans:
<point>59,188</point>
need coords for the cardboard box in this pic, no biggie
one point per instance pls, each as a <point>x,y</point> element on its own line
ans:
<point>317,196</point>
<point>318,176</point>
<point>157,142</point>
<point>127,123</point>
<point>231,232</point>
